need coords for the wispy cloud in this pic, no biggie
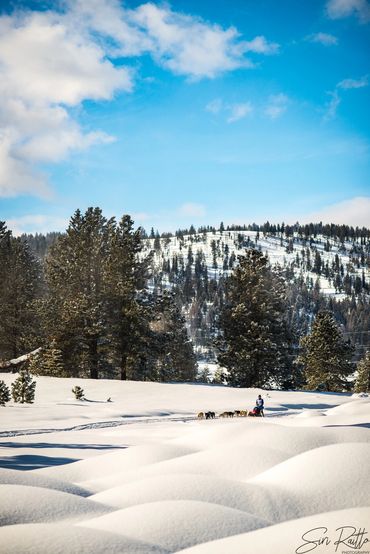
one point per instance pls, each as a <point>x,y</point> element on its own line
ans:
<point>354,83</point>
<point>335,100</point>
<point>276,106</point>
<point>331,106</point>
<point>323,38</point>
<point>215,106</point>
<point>141,217</point>
<point>260,45</point>
<point>338,9</point>
<point>239,111</point>
<point>354,211</point>
<point>36,224</point>
<point>191,209</point>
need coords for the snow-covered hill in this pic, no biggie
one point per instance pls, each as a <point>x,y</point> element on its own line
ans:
<point>214,247</point>
<point>141,474</point>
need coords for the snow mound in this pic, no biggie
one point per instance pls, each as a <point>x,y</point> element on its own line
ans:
<point>38,538</point>
<point>310,413</point>
<point>287,537</point>
<point>14,477</point>
<point>177,524</point>
<point>121,461</point>
<point>22,504</point>
<point>360,406</point>
<point>235,461</point>
<point>323,470</point>
<point>233,494</point>
<point>254,434</point>
<point>360,395</point>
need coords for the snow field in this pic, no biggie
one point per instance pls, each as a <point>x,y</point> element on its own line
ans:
<point>171,483</point>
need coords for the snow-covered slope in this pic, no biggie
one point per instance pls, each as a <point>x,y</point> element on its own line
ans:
<point>141,474</point>
<point>281,251</point>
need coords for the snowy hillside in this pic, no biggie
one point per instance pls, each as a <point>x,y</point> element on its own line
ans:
<point>321,272</point>
<point>216,247</point>
<point>141,474</point>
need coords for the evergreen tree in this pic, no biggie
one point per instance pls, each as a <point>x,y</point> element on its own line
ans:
<point>48,362</point>
<point>23,388</point>
<point>363,374</point>
<point>204,375</point>
<point>219,377</point>
<point>93,310</point>
<point>254,341</point>
<point>175,359</point>
<point>20,283</point>
<point>4,393</point>
<point>78,392</point>
<point>74,274</point>
<point>125,279</point>
<point>325,355</point>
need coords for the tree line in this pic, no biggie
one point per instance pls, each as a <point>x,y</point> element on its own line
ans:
<point>88,306</point>
<point>98,310</point>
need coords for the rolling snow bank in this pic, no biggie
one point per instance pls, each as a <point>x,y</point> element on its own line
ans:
<point>141,474</point>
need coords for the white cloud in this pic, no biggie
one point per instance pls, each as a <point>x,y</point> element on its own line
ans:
<point>142,216</point>
<point>52,61</point>
<point>323,38</point>
<point>215,106</point>
<point>354,83</point>
<point>239,111</point>
<point>36,224</point>
<point>192,209</point>
<point>260,45</point>
<point>111,20</point>
<point>188,46</point>
<point>337,9</point>
<point>354,212</point>
<point>332,106</point>
<point>17,176</point>
<point>276,106</point>
<point>45,68</point>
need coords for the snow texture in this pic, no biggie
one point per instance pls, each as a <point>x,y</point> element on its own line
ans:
<point>142,474</point>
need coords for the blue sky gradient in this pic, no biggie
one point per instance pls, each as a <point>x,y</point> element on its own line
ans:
<point>285,139</point>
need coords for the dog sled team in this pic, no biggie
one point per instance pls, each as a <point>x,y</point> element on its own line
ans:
<point>256,412</point>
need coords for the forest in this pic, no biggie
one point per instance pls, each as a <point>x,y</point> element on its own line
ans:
<point>106,300</point>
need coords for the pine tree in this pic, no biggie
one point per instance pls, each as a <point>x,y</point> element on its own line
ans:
<point>78,392</point>
<point>127,306</point>
<point>254,342</point>
<point>23,388</point>
<point>204,375</point>
<point>363,374</point>
<point>219,377</point>
<point>74,270</point>
<point>48,362</point>
<point>20,284</point>
<point>175,359</point>
<point>4,393</point>
<point>325,355</point>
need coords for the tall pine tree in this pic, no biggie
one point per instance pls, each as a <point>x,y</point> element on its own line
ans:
<point>254,342</point>
<point>325,355</point>
<point>174,355</point>
<point>93,309</point>
<point>20,285</point>
<point>125,278</point>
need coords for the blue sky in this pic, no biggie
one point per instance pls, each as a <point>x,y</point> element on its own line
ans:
<point>189,112</point>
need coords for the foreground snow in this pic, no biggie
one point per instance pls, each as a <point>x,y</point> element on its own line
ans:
<point>140,474</point>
